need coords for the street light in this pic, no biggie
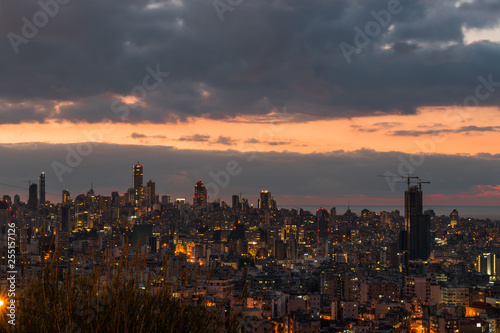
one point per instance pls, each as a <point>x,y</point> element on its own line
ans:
<point>1,302</point>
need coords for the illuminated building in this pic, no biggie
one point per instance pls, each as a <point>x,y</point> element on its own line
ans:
<point>332,285</point>
<point>419,286</point>
<point>200,194</point>
<point>136,194</point>
<point>5,218</point>
<point>137,175</point>
<point>41,182</point>
<point>454,217</point>
<point>455,296</point>
<point>486,264</point>
<point>265,200</point>
<point>65,197</point>
<point>371,291</point>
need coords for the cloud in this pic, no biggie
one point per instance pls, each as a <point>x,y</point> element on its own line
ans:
<point>334,174</point>
<point>195,137</point>
<point>266,54</point>
<point>252,140</point>
<point>136,135</point>
<point>270,143</point>
<point>376,126</point>
<point>278,143</point>
<point>464,129</point>
<point>225,140</point>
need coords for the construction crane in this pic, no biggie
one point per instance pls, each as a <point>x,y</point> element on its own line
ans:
<point>420,184</point>
<point>29,181</point>
<point>407,179</point>
<point>239,195</point>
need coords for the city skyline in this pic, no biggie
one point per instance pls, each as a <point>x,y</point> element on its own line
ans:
<point>250,166</point>
<point>316,94</point>
<point>217,191</point>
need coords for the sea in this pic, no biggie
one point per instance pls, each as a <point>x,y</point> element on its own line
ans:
<point>474,212</point>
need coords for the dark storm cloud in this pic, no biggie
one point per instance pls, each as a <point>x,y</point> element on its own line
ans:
<point>109,167</point>
<point>265,54</point>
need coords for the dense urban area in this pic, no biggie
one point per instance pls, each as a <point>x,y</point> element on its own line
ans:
<point>278,270</point>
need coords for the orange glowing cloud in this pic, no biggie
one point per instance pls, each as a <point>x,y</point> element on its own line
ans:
<point>431,130</point>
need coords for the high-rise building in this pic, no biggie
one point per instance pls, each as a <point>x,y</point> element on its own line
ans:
<point>166,200</point>
<point>291,249</point>
<point>65,197</point>
<point>41,183</point>
<point>200,194</point>
<point>322,218</point>
<point>486,264</point>
<point>137,175</point>
<point>137,192</point>
<point>454,217</point>
<point>235,201</point>
<point>333,212</point>
<point>150,193</point>
<point>6,217</point>
<point>265,200</point>
<point>115,199</point>
<point>417,225</point>
<point>17,199</point>
<point>65,218</point>
<point>33,198</point>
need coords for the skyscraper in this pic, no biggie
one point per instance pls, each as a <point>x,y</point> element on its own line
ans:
<point>151,193</point>
<point>115,199</point>
<point>17,199</point>
<point>137,175</point>
<point>235,201</point>
<point>41,183</point>
<point>5,218</point>
<point>200,194</point>
<point>417,225</point>
<point>33,198</point>
<point>65,218</point>
<point>265,200</point>
<point>322,218</point>
<point>137,191</point>
<point>486,264</point>
<point>454,217</point>
<point>65,196</point>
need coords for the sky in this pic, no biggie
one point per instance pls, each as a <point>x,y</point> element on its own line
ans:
<point>313,101</point>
